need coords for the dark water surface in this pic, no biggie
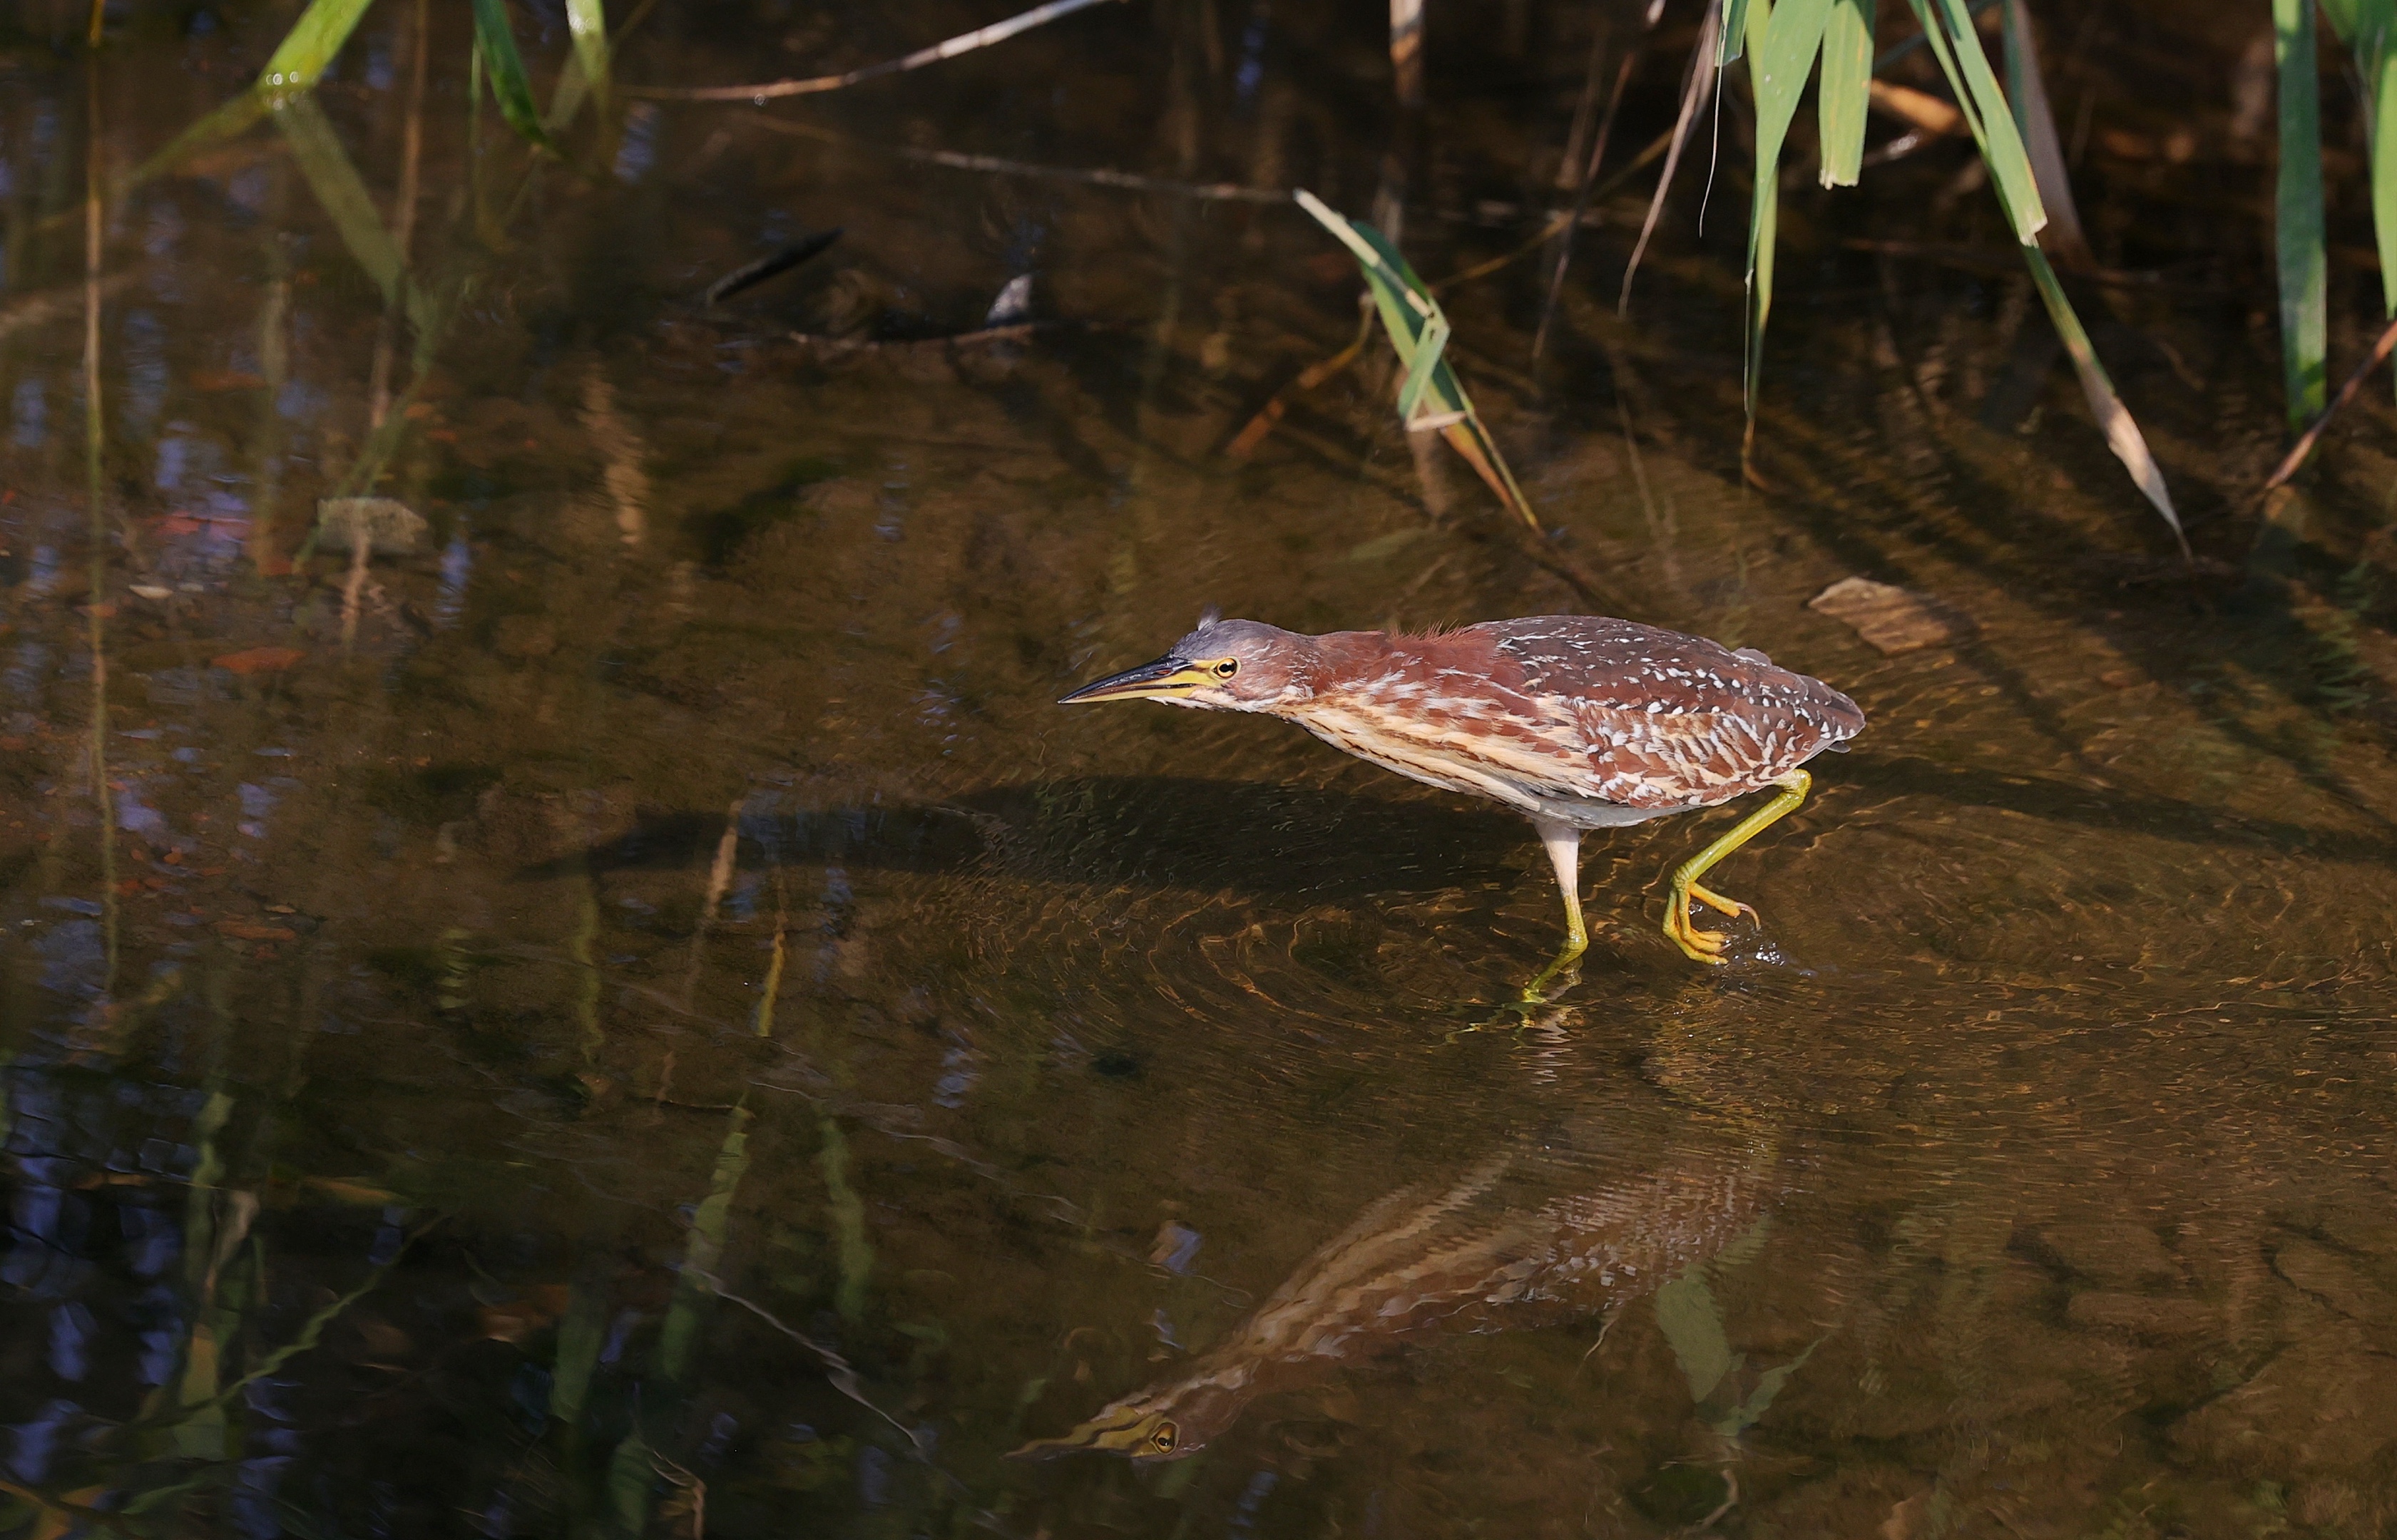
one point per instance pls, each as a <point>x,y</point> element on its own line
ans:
<point>632,1013</point>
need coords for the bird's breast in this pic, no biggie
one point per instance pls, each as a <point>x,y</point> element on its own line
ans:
<point>1458,747</point>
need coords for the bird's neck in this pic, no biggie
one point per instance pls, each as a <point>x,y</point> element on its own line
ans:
<point>1331,666</point>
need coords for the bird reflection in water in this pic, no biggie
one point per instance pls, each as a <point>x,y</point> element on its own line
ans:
<point>1565,1225</point>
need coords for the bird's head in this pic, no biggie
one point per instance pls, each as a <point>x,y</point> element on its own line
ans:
<point>1225,665</point>
<point>1165,1423</point>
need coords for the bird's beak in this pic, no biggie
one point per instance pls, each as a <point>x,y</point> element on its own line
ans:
<point>1168,676</point>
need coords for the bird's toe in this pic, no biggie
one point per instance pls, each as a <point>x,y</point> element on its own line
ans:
<point>1719,904</point>
<point>1699,946</point>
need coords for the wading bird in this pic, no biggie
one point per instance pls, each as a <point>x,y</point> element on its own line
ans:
<point>1577,722</point>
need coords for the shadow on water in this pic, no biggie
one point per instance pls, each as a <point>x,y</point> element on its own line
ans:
<point>1153,831</point>
<point>1245,838</point>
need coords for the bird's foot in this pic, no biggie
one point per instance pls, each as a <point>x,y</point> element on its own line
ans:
<point>1699,946</point>
<point>1561,974</point>
<point>1696,945</point>
<point>1527,1015</point>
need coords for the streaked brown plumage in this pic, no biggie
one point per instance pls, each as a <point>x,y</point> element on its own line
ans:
<point>1577,722</point>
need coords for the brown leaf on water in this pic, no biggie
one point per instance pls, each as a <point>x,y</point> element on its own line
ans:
<point>258,660</point>
<point>1891,618</point>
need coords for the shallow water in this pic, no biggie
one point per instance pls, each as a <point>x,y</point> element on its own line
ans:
<point>636,1014</point>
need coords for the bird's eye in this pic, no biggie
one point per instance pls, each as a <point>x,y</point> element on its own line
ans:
<point>1227,667</point>
<point>1164,1440</point>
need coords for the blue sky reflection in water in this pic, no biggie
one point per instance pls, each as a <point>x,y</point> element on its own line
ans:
<point>625,1009</point>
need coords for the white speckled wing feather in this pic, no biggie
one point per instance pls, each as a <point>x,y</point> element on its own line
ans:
<point>1663,719</point>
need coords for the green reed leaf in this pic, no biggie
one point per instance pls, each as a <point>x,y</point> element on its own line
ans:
<point>341,192</point>
<point>2114,420</point>
<point>2384,172</point>
<point>1846,90</point>
<point>1735,30</point>
<point>1429,346</point>
<point>2036,122</point>
<point>578,80</point>
<point>2298,221</point>
<point>497,45</point>
<point>1770,1384</point>
<point>588,25</point>
<point>1419,331</point>
<point>632,1483</point>
<point>1781,54</point>
<point>853,1247</point>
<point>582,1333</point>
<point>2026,88</point>
<point>1948,26</point>
<point>1693,1325</point>
<point>709,1225</point>
<point>2370,28</point>
<point>299,61</point>
<point>1788,37</point>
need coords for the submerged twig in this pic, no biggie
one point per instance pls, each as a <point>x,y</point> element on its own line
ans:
<point>2305,446</point>
<point>1244,444</point>
<point>981,38</point>
<point>780,262</point>
<point>1558,218</point>
<point>1095,177</point>
<point>827,349</point>
<point>837,1368</point>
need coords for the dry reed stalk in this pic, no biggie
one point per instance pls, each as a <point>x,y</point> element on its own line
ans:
<point>981,38</point>
<point>2299,452</point>
<point>1586,182</point>
<point>1093,177</point>
<point>95,501</point>
<point>1406,51</point>
<point>1696,86</point>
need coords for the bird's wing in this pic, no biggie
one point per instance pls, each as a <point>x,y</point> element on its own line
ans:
<point>1662,720</point>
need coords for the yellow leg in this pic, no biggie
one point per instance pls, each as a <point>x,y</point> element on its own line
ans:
<point>1706,945</point>
<point>1563,844</point>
